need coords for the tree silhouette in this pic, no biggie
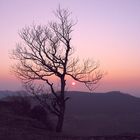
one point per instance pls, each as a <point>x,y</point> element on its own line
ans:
<point>46,52</point>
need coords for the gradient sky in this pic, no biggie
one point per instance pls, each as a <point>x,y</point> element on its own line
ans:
<point>107,30</point>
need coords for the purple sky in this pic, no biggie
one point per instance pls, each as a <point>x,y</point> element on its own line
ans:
<point>107,30</point>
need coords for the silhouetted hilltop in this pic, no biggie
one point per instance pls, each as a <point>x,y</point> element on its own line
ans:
<point>6,93</point>
<point>109,113</point>
<point>111,102</point>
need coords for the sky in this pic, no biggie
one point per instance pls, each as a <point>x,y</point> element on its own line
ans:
<point>107,31</point>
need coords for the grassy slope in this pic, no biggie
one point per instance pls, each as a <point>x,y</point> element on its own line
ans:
<point>16,127</point>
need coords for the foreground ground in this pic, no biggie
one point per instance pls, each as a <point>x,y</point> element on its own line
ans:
<point>17,127</point>
<point>17,124</point>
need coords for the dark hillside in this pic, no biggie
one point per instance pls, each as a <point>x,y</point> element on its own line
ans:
<point>17,127</point>
<point>111,102</point>
<point>98,114</point>
<point>103,113</point>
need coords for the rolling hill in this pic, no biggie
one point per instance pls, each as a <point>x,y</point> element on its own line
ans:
<point>109,113</point>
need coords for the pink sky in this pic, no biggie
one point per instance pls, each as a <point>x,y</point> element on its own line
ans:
<point>107,30</point>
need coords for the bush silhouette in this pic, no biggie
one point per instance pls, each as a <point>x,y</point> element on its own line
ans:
<point>40,114</point>
<point>20,105</point>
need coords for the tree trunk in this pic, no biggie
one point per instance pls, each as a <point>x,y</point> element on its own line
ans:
<point>62,106</point>
<point>59,125</point>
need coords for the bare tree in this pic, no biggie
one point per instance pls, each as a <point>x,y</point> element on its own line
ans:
<point>46,52</point>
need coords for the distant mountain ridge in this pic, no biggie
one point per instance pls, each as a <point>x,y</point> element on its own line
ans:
<point>103,113</point>
<point>107,101</point>
<point>5,93</point>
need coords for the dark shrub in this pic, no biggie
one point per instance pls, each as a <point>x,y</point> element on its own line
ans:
<point>40,114</point>
<point>20,105</point>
